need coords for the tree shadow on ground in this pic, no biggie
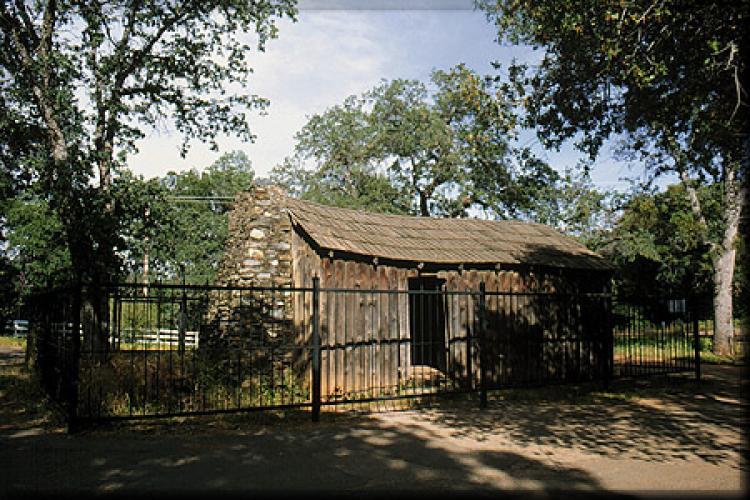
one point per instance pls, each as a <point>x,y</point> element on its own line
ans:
<point>343,453</point>
<point>371,456</point>
<point>660,419</point>
<point>452,446</point>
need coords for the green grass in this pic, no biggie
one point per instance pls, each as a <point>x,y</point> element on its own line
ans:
<point>152,346</point>
<point>710,357</point>
<point>7,341</point>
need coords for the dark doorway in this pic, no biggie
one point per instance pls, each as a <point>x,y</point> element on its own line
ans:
<point>427,323</point>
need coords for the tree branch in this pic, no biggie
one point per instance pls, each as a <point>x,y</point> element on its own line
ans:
<point>48,23</point>
<point>39,89</point>
<point>115,96</point>
<point>145,89</point>
<point>695,206</point>
<point>140,54</point>
<point>30,29</point>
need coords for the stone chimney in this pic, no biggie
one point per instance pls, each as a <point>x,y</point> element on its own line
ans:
<point>258,254</point>
<point>258,251</point>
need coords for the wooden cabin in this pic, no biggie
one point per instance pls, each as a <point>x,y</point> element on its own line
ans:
<point>394,304</point>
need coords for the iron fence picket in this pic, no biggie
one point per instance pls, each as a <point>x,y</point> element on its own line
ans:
<point>349,345</point>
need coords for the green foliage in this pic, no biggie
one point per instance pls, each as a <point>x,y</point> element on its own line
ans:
<point>187,219</point>
<point>83,81</point>
<point>347,187</point>
<point>570,203</point>
<point>665,72</point>
<point>37,241</point>
<point>153,217</point>
<point>404,147</point>
<point>9,289</point>
<point>657,244</point>
<point>665,79</point>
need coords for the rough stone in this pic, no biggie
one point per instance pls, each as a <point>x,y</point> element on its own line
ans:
<point>258,253</point>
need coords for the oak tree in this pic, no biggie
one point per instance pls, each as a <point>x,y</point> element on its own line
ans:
<point>93,77</point>
<point>442,149</point>
<point>665,78</point>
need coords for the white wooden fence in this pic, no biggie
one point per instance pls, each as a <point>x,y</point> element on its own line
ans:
<point>164,336</point>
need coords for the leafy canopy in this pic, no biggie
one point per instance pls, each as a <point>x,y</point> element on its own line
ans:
<point>657,244</point>
<point>181,219</point>
<point>88,79</point>
<point>665,71</point>
<point>443,149</point>
<point>176,220</point>
<point>666,78</point>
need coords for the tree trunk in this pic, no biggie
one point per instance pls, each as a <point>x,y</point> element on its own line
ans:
<point>424,209</point>
<point>724,267</point>
<point>723,310</point>
<point>724,254</point>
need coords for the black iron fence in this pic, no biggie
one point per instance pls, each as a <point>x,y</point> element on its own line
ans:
<point>659,335</point>
<point>129,351</point>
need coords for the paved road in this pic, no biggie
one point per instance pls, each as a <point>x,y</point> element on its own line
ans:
<point>687,439</point>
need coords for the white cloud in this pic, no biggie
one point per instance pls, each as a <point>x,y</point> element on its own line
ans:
<point>330,54</point>
<point>314,64</point>
<point>320,60</point>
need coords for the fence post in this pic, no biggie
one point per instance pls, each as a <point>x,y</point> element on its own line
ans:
<point>609,333</point>
<point>316,350</point>
<point>114,324</point>
<point>182,319</point>
<point>696,341</point>
<point>482,348</point>
<point>74,355</point>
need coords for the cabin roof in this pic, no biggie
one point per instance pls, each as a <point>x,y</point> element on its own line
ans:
<point>440,240</point>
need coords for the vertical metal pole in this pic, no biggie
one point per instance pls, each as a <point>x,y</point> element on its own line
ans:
<point>115,325</point>
<point>316,350</point>
<point>696,342</point>
<point>74,353</point>
<point>609,331</point>
<point>482,348</point>
<point>182,318</point>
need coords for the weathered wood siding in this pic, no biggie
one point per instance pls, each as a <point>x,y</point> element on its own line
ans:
<point>365,335</point>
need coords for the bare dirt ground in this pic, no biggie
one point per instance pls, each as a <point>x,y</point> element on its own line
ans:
<point>664,435</point>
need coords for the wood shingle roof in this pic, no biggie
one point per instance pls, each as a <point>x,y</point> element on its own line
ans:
<point>441,241</point>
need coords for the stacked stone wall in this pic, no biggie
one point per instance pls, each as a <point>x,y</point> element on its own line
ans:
<point>259,241</point>
<point>258,254</point>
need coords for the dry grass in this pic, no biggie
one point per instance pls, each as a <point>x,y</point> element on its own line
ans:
<point>23,404</point>
<point>14,342</point>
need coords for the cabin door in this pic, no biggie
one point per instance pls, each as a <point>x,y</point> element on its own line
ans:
<point>427,323</point>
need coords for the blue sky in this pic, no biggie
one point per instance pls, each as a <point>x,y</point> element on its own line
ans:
<point>329,54</point>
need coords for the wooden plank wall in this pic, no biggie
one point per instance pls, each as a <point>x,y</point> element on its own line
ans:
<point>305,264</point>
<point>365,336</point>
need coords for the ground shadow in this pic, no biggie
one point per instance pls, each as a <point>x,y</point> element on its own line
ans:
<point>449,446</point>
<point>345,453</point>
<point>370,456</point>
<point>661,419</point>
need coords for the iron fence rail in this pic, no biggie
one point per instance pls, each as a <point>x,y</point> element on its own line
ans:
<point>234,348</point>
